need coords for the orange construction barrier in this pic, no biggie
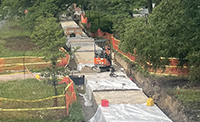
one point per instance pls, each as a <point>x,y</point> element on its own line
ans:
<point>1,64</point>
<point>65,61</point>
<point>170,69</point>
<point>69,92</point>
<point>83,20</point>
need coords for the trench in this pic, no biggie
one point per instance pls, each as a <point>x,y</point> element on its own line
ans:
<point>169,105</point>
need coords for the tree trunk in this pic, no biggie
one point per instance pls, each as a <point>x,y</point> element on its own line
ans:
<point>54,79</point>
<point>149,5</point>
<point>55,89</point>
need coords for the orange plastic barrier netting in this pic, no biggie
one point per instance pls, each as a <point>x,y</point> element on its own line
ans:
<point>171,69</point>
<point>83,20</point>
<point>19,63</point>
<point>1,64</point>
<point>69,92</point>
<point>65,61</point>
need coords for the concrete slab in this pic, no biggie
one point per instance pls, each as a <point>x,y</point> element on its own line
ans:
<point>69,24</point>
<point>84,57</point>
<point>119,97</point>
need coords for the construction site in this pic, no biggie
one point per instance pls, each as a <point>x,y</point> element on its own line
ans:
<point>109,89</point>
<point>108,84</point>
<point>108,95</point>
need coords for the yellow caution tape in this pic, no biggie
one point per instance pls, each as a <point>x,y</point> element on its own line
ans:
<point>68,86</point>
<point>148,62</point>
<point>33,109</point>
<point>22,57</point>
<point>7,99</point>
<point>38,99</point>
<point>21,64</point>
<point>153,72</point>
<point>163,74</point>
<point>169,58</point>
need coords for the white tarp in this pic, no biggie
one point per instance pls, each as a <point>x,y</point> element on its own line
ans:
<point>129,113</point>
<point>102,81</point>
<point>81,65</point>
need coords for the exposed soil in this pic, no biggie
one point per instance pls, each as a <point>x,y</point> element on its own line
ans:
<point>16,28</point>
<point>19,44</point>
<point>163,88</point>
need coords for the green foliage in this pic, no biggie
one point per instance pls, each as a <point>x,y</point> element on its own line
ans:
<point>14,41</point>
<point>32,89</point>
<point>172,31</point>
<point>35,8</point>
<point>23,89</point>
<point>188,96</point>
<point>11,8</point>
<point>99,20</point>
<point>119,9</point>
<point>48,37</point>
<point>109,13</point>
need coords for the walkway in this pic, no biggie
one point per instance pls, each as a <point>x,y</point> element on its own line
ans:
<point>15,76</point>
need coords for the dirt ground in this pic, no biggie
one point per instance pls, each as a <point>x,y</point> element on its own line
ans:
<point>19,44</point>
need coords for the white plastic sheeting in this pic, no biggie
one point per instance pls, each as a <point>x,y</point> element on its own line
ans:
<point>102,81</point>
<point>81,65</point>
<point>129,113</point>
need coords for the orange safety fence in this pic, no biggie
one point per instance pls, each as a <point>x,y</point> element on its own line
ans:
<point>1,64</point>
<point>19,63</point>
<point>83,20</point>
<point>69,92</point>
<point>170,69</point>
<point>66,59</point>
<point>74,30</point>
<point>41,104</point>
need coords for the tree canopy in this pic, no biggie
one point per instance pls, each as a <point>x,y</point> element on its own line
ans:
<point>48,37</point>
<point>172,31</point>
<point>35,9</point>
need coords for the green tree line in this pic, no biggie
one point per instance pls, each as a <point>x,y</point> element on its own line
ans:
<point>170,30</point>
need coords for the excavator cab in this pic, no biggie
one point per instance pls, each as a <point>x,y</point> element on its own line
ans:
<point>102,55</point>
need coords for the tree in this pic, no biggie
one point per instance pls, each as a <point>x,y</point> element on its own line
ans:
<point>173,31</point>
<point>48,37</point>
<point>35,8</point>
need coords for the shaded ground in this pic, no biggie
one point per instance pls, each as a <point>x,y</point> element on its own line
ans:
<point>19,44</point>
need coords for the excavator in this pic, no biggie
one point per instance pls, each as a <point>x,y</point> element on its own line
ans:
<point>102,55</point>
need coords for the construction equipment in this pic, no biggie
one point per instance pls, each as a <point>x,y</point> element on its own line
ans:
<point>102,55</point>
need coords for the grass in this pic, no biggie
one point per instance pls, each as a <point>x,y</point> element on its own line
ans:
<point>15,41</point>
<point>32,89</point>
<point>189,97</point>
